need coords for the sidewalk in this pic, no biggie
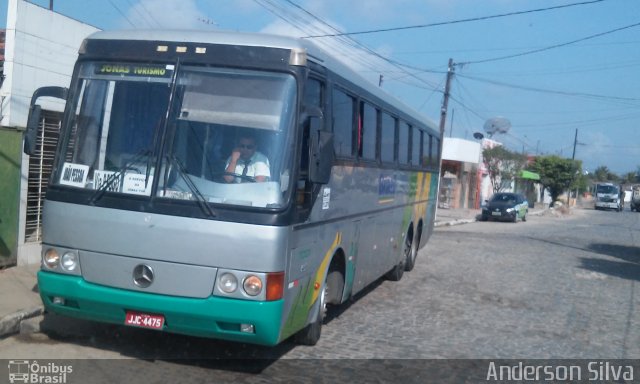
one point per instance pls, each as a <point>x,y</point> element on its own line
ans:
<point>448,217</point>
<point>20,300</point>
<point>19,297</point>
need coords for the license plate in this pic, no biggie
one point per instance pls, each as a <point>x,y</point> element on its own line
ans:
<point>144,320</point>
<point>496,213</point>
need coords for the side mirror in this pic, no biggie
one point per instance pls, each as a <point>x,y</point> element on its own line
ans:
<point>35,112</point>
<point>32,129</point>
<point>310,111</point>
<point>320,148</point>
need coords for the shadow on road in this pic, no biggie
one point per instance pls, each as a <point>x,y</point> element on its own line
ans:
<point>627,267</point>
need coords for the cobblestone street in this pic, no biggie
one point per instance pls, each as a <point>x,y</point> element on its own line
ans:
<point>555,287</point>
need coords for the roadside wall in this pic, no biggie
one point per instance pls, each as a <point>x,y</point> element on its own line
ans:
<point>10,157</point>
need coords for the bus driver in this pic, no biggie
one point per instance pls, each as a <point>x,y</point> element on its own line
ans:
<point>246,161</point>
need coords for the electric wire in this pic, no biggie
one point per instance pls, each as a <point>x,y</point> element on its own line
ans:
<point>619,99</point>
<point>456,21</point>
<point>551,47</point>
<point>140,14</point>
<point>348,41</point>
<point>121,13</point>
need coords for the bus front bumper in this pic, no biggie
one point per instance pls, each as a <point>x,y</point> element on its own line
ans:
<point>607,205</point>
<point>213,317</point>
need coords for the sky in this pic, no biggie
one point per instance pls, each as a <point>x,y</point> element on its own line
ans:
<point>546,68</point>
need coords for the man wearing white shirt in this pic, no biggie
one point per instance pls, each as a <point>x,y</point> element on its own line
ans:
<point>246,162</point>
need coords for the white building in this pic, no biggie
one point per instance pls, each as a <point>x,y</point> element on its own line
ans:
<point>461,160</point>
<point>40,50</point>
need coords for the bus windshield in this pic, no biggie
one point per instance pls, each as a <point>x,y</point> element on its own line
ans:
<point>608,189</point>
<point>188,133</point>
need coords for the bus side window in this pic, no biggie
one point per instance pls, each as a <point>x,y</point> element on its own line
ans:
<point>416,146</point>
<point>343,118</point>
<point>403,143</point>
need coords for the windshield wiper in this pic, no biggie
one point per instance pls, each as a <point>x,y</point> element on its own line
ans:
<point>202,202</point>
<point>97,195</point>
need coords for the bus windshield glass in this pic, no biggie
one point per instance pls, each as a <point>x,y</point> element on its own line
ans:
<point>608,189</point>
<point>187,133</point>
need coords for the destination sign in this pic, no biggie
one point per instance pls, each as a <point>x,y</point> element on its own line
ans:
<point>134,70</point>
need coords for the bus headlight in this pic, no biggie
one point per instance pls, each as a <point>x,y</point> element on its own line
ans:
<point>69,261</point>
<point>51,258</point>
<point>252,285</point>
<point>228,283</point>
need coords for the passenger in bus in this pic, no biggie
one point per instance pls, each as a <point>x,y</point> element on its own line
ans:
<point>246,162</point>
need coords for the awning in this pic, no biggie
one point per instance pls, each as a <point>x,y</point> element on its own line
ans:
<point>529,175</point>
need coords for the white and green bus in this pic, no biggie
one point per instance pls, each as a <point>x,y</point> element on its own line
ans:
<point>146,224</point>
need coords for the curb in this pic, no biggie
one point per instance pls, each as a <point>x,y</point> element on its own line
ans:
<point>10,324</point>
<point>453,222</point>
<point>467,221</point>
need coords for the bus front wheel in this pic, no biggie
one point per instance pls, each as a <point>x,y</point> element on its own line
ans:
<point>310,334</point>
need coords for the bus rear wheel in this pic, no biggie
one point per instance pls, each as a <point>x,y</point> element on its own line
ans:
<point>411,250</point>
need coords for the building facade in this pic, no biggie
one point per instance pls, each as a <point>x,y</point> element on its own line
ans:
<point>459,178</point>
<point>40,49</point>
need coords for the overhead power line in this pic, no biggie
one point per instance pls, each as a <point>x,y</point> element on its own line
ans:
<point>346,40</point>
<point>122,13</point>
<point>455,21</point>
<point>552,46</point>
<point>541,90</point>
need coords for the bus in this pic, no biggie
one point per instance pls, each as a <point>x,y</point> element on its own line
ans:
<point>146,223</point>
<point>608,196</point>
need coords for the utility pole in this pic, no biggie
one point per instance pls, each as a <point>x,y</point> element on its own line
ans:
<point>445,102</point>
<point>573,157</point>
<point>453,113</point>
<point>443,118</point>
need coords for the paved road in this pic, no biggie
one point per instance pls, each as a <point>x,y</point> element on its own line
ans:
<point>553,287</point>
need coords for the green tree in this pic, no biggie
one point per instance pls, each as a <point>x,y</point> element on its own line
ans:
<point>557,174</point>
<point>602,174</point>
<point>630,178</point>
<point>502,165</point>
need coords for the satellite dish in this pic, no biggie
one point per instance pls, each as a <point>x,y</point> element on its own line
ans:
<point>497,125</point>
<point>478,135</point>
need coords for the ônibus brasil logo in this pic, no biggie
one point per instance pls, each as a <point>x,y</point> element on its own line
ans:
<point>25,371</point>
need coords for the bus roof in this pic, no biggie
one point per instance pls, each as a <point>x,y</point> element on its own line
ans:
<point>314,52</point>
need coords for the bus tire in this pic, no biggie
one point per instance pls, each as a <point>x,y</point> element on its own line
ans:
<point>310,334</point>
<point>395,274</point>
<point>411,251</point>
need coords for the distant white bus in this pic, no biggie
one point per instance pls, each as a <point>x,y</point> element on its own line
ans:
<point>608,196</point>
<point>147,224</point>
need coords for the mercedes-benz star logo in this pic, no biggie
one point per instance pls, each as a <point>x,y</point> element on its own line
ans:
<point>142,275</point>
